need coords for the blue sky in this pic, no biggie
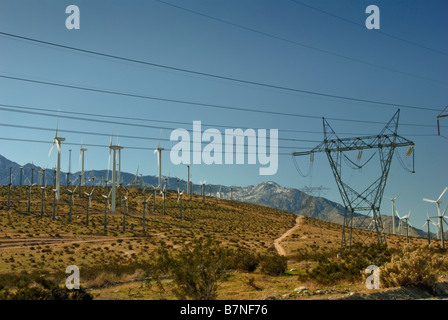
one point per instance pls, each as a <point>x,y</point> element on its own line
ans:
<point>276,42</point>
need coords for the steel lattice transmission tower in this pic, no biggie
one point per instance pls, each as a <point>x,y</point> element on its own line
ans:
<point>368,200</point>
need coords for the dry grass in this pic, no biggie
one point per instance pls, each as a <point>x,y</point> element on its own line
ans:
<point>114,261</point>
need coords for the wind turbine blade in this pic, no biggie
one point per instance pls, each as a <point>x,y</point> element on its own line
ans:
<point>444,211</point>
<point>429,200</point>
<point>446,188</point>
<point>51,149</point>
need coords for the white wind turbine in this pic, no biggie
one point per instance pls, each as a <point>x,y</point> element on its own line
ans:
<point>440,226</point>
<point>81,158</point>
<point>427,223</point>
<point>178,187</point>
<point>163,193</point>
<point>70,202</point>
<point>406,221</point>
<point>114,148</point>
<point>203,190</point>
<point>393,213</point>
<point>57,140</point>
<point>159,162</point>
<point>439,215</point>
<point>179,201</point>
<point>144,202</point>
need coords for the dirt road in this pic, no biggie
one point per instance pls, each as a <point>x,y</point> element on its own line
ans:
<point>281,251</point>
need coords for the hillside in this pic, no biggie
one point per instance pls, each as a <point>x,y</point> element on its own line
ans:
<point>114,262</point>
<point>268,194</point>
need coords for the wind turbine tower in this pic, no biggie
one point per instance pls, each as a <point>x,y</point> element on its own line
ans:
<point>81,154</point>
<point>159,151</point>
<point>393,213</point>
<point>58,141</point>
<point>114,148</point>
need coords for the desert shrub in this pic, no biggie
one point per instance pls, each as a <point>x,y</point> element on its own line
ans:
<point>245,260</point>
<point>273,264</point>
<point>41,289</point>
<point>413,267</point>
<point>196,270</point>
<point>351,265</point>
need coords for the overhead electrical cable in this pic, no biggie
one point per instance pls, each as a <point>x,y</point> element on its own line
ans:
<point>209,105</point>
<point>57,113</point>
<point>303,44</point>
<point>379,31</point>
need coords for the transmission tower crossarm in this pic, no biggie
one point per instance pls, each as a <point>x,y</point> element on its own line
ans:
<point>358,143</point>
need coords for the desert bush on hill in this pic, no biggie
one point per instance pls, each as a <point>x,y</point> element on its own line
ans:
<point>196,270</point>
<point>245,260</point>
<point>413,267</point>
<point>350,267</point>
<point>273,264</point>
<point>41,289</point>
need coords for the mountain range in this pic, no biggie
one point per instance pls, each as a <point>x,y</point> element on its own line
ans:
<point>268,194</point>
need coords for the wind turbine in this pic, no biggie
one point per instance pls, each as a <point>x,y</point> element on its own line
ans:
<point>163,193</point>
<point>89,204</point>
<point>81,158</point>
<point>439,216</point>
<point>393,213</point>
<point>135,181</point>
<point>57,140</point>
<point>442,219</point>
<point>30,186</point>
<point>179,201</point>
<point>219,192</point>
<point>159,160</point>
<point>406,221</point>
<point>178,187</point>
<point>44,196</point>
<point>70,202</point>
<point>427,223</point>
<point>106,202</point>
<point>114,148</point>
<point>203,190</point>
<point>188,182</point>
<point>144,202</point>
<point>125,212</point>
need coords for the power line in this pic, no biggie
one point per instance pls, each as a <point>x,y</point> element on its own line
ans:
<point>124,146</point>
<point>302,44</point>
<point>136,119</point>
<point>57,113</point>
<point>363,26</point>
<point>121,136</point>
<point>200,104</point>
<point>200,73</point>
